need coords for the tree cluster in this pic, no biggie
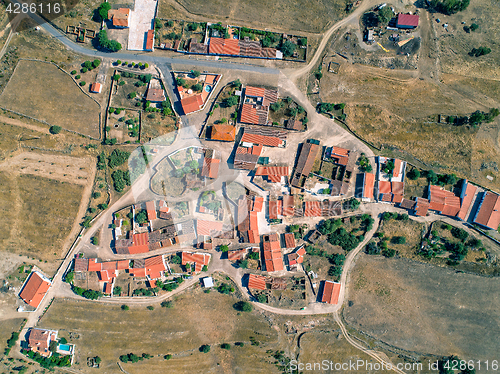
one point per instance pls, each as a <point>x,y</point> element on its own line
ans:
<point>344,239</point>
<point>450,6</point>
<point>364,164</point>
<point>106,43</point>
<point>51,362</point>
<point>121,179</point>
<point>480,51</point>
<point>88,294</point>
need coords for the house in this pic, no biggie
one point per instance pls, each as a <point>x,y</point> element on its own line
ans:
<point>256,102</point>
<point>488,212</point>
<point>289,239</point>
<point>35,288</point>
<point>274,174</point>
<point>210,167</point>
<point>96,87</point>
<point>208,228</point>
<point>150,41</point>
<point>155,95</point>
<point>252,141</point>
<point>151,210</point>
<point>223,133</point>
<point>407,21</point>
<point>368,185</point>
<point>308,154</point>
<point>296,257</point>
<point>119,17</point>
<point>155,266</point>
<point>192,104</point>
<point>442,201</point>
<point>257,282</point>
<point>208,282</point>
<point>237,254</point>
<point>39,340</point>
<point>272,253</point>
<point>421,206</point>
<point>331,292</point>
<point>466,197</point>
<point>199,260</point>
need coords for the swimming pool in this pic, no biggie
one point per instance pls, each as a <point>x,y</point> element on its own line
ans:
<point>208,88</point>
<point>65,347</point>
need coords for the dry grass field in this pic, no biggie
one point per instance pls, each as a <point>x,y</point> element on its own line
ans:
<point>300,16</point>
<point>410,229</point>
<point>7,327</point>
<point>41,211</point>
<point>424,308</point>
<point>196,318</point>
<point>42,91</point>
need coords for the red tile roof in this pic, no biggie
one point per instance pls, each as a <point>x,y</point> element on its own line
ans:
<point>237,254</point>
<point>443,201</point>
<point>151,210</point>
<point>255,91</point>
<point>95,87</point>
<point>208,228</point>
<point>191,104</point>
<point>288,206</point>
<point>258,203</point>
<point>210,167</point>
<point>154,266</point>
<point>312,209</point>
<point>254,223</point>
<point>155,95</point>
<point>257,282</point>
<point>368,183</point>
<point>384,187</point>
<point>397,187</point>
<point>488,213</point>
<point>289,240</point>
<point>407,20</point>
<point>150,38</point>
<point>253,236</point>
<point>273,173</point>
<point>94,265</point>
<point>397,198</point>
<point>421,206</point>
<point>34,289</point>
<point>273,209</point>
<point>226,133</point>
<point>397,167</point>
<point>468,192</point>
<point>331,292</point>
<point>249,115</point>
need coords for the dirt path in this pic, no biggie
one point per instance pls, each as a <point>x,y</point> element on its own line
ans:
<point>16,122</point>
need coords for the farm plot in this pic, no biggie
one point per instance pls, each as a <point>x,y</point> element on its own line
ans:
<point>59,103</point>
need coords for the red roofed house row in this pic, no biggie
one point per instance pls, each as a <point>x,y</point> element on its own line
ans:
<point>272,253</point>
<point>35,289</point>
<point>488,212</point>
<point>331,292</point>
<point>466,197</point>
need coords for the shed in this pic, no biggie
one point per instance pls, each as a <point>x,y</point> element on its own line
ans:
<point>208,282</point>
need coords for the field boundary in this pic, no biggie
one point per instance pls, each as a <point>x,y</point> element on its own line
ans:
<point>77,85</point>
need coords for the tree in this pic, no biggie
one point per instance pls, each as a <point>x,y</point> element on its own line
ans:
<point>103,10</point>
<point>77,76</point>
<point>243,306</point>
<point>102,206</point>
<point>118,158</point>
<point>167,304</point>
<point>288,48</point>
<point>478,52</point>
<point>243,264</point>
<point>167,357</point>
<point>225,346</point>
<point>150,307</point>
<point>105,43</point>
<point>223,248</point>
<point>385,14</point>
<point>372,248</point>
<point>364,164</point>
<point>459,233</point>
<point>335,271</point>
<point>197,87</point>
<point>450,6</point>
<point>398,240</point>
<point>262,299</point>
<point>141,216</point>
<point>87,64</point>
<point>195,73</point>
<point>116,77</point>
<point>432,178</point>
<point>97,360</point>
<point>414,174</point>
<point>125,307</point>
<point>117,291</point>
<point>55,129</point>
<point>205,348</point>
<point>389,167</point>
<point>231,101</point>
<point>476,118</point>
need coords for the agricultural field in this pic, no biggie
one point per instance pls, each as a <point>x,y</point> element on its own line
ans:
<point>299,16</point>
<point>196,318</point>
<point>59,103</point>
<point>444,311</point>
<point>42,213</point>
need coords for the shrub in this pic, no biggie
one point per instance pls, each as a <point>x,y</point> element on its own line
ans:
<point>398,240</point>
<point>167,304</point>
<point>414,174</point>
<point>480,51</point>
<point>73,72</point>
<point>459,233</point>
<point>243,306</point>
<point>84,70</point>
<point>205,348</point>
<point>225,346</point>
<point>450,6</point>
<point>55,129</point>
<point>94,240</point>
<point>150,307</point>
<point>121,83</point>
<point>167,357</point>
<point>82,83</point>
<point>77,76</point>
<point>262,299</point>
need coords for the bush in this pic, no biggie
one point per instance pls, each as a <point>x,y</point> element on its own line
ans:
<point>288,48</point>
<point>150,307</point>
<point>94,240</point>
<point>82,83</point>
<point>55,129</point>
<point>13,339</point>
<point>118,158</point>
<point>398,240</point>
<point>106,43</point>
<point>73,72</point>
<point>77,76</point>
<point>167,304</point>
<point>459,233</point>
<point>225,346</point>
<point>478,52</point>
<point>205,348</point>
<point>167,357</point>
<point>372,248</point>
<point>243,306</point>
<point>223,248</point>
<point>262,299</point>
<point>414,174</point>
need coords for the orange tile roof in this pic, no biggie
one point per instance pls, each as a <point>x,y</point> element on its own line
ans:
<point>210,167</point>
<point>94,265</point>
<point>273,209</point>
<point>397,198</point>
<point>34,289</point>
<point>368,184</point>
<point>289,240</point>
<point>208,228</point>
<point>151,210</point>
<point>122,264</point>
<point>488,213</point>
<point>312,209</point>
<point>421,206</point>
<point>288,206</point>
<point>226,133</point>
<point>192,103</point>
<point>249,114</point>
<point>257,282</point>
<point>397,167</point>
<point>384,187</point>
<point>255,91</point>
<point>468,192</point>
<point>95,87</point>
<point>397,187</point>
<point>237,254</point>
<point>254,223</point>
<point>119,16</point>
<point>150,37</point>
<point>258,203</point>
<point>331,292</point>
<point>253,236</point>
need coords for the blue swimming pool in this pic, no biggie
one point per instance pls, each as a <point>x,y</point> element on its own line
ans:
<point>64,347</point>
<point>208,88</point>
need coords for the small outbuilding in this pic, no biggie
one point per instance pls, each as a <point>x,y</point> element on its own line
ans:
<point>96,87</point>
<point>208,282</point>
<point>407,21</point>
